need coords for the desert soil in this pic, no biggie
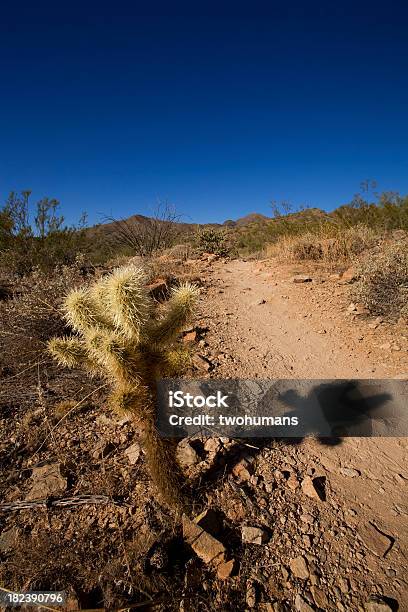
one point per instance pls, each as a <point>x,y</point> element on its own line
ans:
<point>299,526</point>
<point>264,325</point>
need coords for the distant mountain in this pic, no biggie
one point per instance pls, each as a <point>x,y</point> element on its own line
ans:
<point>242,221</point>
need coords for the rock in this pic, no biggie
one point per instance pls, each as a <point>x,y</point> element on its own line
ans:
<point>299,567</point>
<point>302,278</point>
<point>254,535</point>
<point>335,277</point>
<point>47,481</point>
<point>376,541</point>
<point>376,604</point>
<point>186,454</point>
<point>351,472</point>
<point>208,548</point>
<point>301,604</point>
<point>242,470</point>
<point>349,276</point>
<point>374,324</point>
<point>320,597</point>
<point>224,570</point>
<point>292,482</point>
<point>307,518</point>
<point>190,337</point>
<point>314,487</point>
<point>102,449</point>
<point>133,453</point>
<point>158,290</point>
<point>201,363</point>
<point>357,309</point>
<point>212,445</point>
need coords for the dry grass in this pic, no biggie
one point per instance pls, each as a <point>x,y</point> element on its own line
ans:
<point>383,280</point>
<point>336,246</point>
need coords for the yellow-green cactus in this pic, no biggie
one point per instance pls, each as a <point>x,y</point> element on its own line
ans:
<point>121,335</point>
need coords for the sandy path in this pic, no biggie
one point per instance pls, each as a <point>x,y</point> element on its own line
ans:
<point>264,325</point>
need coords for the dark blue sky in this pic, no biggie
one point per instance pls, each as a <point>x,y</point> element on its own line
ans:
<point>109,107</point>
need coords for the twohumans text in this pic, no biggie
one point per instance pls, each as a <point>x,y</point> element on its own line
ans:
<point>233,421</point>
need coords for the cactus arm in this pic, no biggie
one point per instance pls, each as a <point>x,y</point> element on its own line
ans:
<point>179,309</point>
<point>127,300</point>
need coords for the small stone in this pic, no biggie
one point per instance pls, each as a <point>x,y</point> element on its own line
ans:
<point>201,363</point>
<point>299,567</point>
<point>320,597</point>
<point>241,470</point>
<point>254,535</point>
<point>208,548</point>
<point>307,542</point>
<point>379,543</point>
<point>224,570</point>
<point>314,487</point>
<point>47,481</point>
<point>351,472</point>
<point>301,604</point>
<point>186,454</point>
<point>307,518</point>
<point>302,278</point>
<point>102,449</point>
<point>292,482</point>
<point>212,445</point>
<point>133,453</point>
<point>348,276</point>
<point>190,337</point>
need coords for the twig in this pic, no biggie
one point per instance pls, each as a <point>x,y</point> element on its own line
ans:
<point>64,502</point>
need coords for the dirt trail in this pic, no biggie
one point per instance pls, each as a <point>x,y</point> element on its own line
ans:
<point>263,325</point>
<point>275,328</point>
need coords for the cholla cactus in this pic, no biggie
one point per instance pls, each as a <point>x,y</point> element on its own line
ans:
<point>121,335</point>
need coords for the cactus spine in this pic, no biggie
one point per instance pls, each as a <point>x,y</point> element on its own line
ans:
<point>121,336</point>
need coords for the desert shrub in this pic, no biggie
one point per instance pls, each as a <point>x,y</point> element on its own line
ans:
<point>121,335</point>
<point>145,236</point>
<point>326,246</point>
<point>383,281</point>
<point>31,315</point>
<point>180,251</point>
<point>42,242</point>
<point>214,241</point>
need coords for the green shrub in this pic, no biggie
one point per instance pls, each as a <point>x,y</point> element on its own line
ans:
<point>213,241</point>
